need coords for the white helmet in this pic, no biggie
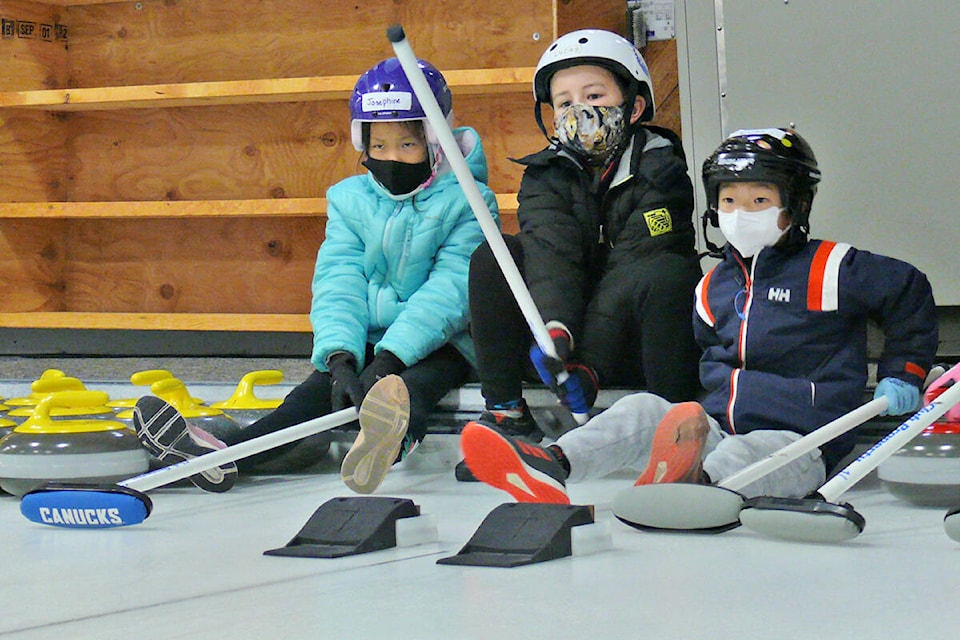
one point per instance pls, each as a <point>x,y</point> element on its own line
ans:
<point>597,47</point>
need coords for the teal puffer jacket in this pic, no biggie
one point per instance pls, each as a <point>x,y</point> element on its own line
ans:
<point>394,272</point>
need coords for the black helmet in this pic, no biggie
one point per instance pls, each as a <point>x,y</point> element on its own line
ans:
<point>778,156</point>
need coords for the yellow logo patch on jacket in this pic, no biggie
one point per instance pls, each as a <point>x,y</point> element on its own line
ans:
<point>659,222</point>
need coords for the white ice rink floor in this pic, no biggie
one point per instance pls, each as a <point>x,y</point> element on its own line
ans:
<point>195,569</point>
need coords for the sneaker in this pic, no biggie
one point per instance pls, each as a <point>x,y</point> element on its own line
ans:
<point>527,472</point>
<point>384,416</point>
<point>677,447</point>
<point>523,428</point>
<point>171,439</point>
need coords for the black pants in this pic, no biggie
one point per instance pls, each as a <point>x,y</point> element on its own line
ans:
<point>427,381</point>
<point>638,328</point>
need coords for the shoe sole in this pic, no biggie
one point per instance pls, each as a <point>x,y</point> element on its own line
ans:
<point>384,416</point>
<point>677,446</point>
<point>163,432</point>
<point>495,462</point>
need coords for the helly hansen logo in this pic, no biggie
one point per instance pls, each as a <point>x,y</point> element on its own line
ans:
<point>778,294</point>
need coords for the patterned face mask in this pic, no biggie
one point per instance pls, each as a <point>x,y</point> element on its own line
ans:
<point>593,133</point>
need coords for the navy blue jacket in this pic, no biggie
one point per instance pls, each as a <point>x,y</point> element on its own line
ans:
<point>785,335</point>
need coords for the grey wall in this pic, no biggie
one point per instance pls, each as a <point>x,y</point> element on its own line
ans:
<point>872,86</point>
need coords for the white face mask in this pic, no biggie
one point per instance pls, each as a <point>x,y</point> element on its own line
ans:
<point>750,231</point>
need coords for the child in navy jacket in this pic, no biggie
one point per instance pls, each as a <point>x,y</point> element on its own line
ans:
<point>782,321</point>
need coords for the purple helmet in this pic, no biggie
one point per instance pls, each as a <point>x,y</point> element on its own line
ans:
<point>383,94</point>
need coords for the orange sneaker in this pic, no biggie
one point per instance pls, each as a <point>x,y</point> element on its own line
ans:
<point>527,472</point>
<point>677,447</point>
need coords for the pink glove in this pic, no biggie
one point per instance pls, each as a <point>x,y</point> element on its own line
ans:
<point>940,385</point>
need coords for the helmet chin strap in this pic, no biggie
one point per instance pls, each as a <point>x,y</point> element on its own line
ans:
<point>538,114</point>
<point>709,217</point>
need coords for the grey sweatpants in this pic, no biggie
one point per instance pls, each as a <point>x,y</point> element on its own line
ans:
<point>621,438</point>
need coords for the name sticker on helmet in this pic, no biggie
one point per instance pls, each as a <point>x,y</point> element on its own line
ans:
<point>659,222</point>
<point>734,162</point>
<point>779,134</point>
<point>387,101</point>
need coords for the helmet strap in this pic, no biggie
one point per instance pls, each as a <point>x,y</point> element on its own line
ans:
<point>709,217</point>
<point>538,114</point>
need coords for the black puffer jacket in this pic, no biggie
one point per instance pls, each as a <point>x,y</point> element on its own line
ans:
<point>572,235</point>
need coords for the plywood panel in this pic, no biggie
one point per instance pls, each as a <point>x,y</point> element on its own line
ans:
<point>158,41</point>
<point>279,150</point>
<point>210,265</point>
<point>661,57</point>
<point>244,151</point>
<point>33,156</point>
<point>31,265</point>
<point>591,14</point>
<point>33,55</point>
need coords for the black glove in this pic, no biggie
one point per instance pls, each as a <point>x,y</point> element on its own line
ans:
<point>383,365</point>
<point>347,389</point>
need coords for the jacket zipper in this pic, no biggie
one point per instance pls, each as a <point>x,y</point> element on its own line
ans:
<point>745,315</point>
<point>384,244</point>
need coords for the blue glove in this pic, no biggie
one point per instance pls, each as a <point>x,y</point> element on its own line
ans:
<point>549,368</point>
<point>902,397</point>
<point>579,391</point>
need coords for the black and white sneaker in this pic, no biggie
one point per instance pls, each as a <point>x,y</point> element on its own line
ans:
<point>171,439</point>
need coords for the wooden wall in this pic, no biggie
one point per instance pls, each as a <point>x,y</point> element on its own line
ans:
<point>116,206</point>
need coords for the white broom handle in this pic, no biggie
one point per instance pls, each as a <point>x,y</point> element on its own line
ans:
<point>807,443</point>
<point>469,185</point>
<point>892,443</point>
<point>181,470</point>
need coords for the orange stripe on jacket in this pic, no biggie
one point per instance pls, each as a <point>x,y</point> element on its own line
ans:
<point>702,301</point>
<point>915,369</point>
<point>823,286</point>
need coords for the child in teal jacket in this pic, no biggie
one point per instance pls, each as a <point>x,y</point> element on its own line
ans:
<point>390,284</point>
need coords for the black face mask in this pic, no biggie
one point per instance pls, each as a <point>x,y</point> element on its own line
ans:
<point>399,178</point>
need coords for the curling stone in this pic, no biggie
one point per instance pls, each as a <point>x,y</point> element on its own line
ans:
<point>246,408</point>
<point>41,388</point>
<point>6,426</point>
<point>49,381</point>
<point>68,450</point>
<point>213,421</point>
<point>142,379</point>
<point>926,471</point>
